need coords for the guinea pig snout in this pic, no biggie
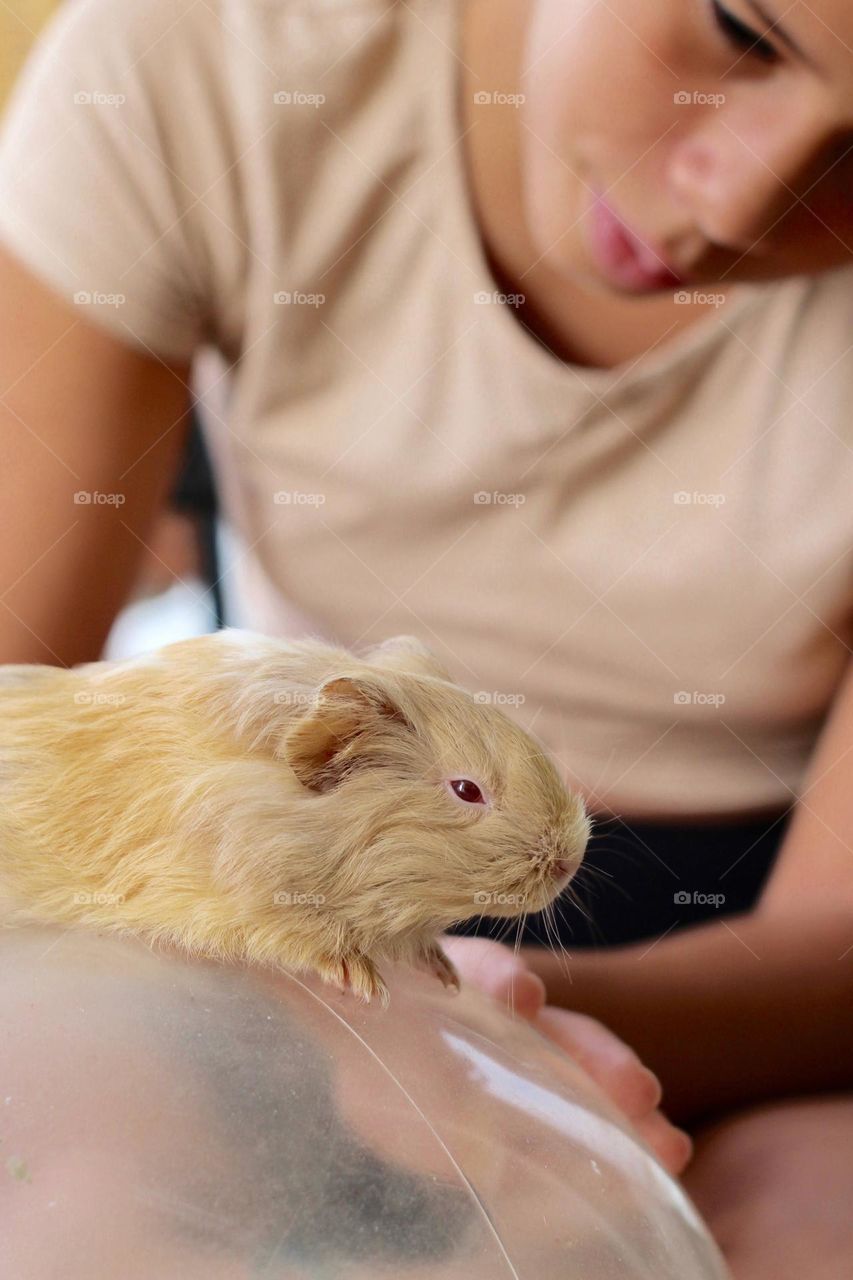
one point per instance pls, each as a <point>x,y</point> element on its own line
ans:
<point>563,844</point>
<point>557,857</point>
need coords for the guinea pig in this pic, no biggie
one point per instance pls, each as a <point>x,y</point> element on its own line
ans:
<point>278,802</point>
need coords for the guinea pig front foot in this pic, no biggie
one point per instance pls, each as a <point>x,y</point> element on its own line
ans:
<point>438,962</point>
<point>357,973</point>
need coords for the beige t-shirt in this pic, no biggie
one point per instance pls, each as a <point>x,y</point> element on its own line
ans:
<point>649,566</point>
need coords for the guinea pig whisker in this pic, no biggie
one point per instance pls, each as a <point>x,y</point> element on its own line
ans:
<point>596,931</point>
<point>572,896</point>
<point>589,869</point>
<point>517,923</point>
<point>569,897</point>
<point>609,848</point>
<point>555,942</point>
<point>558,911</point>
<point>550,927</point>
<point>600,871</point>
<point>522,921</point>
<point>506,929</point>
<point>580,880</point>
<point>618,888</point>
<point>558,922</point>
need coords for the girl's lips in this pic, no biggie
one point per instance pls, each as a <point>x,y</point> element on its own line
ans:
<point>621,256</point>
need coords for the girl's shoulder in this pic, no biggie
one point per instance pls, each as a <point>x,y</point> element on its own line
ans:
<point>201,141</point>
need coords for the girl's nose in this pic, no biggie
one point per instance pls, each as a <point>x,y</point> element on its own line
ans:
<point>738,174</point>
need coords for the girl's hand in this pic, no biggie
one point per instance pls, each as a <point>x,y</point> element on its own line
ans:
<point>616,1069</point>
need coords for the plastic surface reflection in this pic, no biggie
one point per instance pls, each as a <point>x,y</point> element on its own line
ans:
<point>161,1117</point>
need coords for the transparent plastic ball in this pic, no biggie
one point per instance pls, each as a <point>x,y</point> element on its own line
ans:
<point>175,1119</point>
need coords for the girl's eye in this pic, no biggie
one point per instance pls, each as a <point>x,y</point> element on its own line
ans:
<point>467,790</point>
<point>742,36</point>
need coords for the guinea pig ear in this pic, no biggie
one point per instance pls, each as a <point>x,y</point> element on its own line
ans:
<point>407,653</point>
<point>347,707</point>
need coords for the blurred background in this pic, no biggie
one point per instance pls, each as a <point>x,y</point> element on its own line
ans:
<point>177,593</point>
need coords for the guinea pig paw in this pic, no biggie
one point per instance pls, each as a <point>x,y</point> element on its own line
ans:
<point>333,972</point>
<point>440,965</point>
<point>365,980</point>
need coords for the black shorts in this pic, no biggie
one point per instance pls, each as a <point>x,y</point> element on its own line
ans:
<point>643,879</point>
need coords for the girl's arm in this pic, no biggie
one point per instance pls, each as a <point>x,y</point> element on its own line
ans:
<point>752,1006</point>
<point>91,433</point>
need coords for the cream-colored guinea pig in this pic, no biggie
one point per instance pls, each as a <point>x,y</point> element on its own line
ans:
<point>278,802</point>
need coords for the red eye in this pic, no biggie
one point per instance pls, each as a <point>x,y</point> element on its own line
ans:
<point>467,790</point>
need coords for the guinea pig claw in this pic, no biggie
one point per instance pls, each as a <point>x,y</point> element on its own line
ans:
<point>442,967</point>
<point>365,980</point>
<point>334,974</point>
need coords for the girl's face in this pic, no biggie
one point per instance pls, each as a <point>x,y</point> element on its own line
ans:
<point>719,134</point>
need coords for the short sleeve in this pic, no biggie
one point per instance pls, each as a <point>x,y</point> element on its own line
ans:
<point>90,198</point>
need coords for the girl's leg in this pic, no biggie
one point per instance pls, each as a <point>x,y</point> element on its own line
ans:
<point>775,1185</point>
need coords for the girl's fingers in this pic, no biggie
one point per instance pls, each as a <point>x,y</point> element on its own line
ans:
<point>618,1071</point>
<point>612,1064</point>
<point>673,1147</point>
<point>494,969</point>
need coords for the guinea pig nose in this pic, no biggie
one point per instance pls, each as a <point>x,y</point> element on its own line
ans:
<point>561,867</point>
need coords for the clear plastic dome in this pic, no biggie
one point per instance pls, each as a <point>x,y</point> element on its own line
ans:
<point>180,1119</point>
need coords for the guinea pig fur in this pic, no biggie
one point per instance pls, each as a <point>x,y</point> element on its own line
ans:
<point>276,802</point>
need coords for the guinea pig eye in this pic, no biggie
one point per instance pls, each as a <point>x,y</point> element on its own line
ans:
<point>467,790</point>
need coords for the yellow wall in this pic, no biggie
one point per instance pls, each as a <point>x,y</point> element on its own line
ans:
<point>20,21</point>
